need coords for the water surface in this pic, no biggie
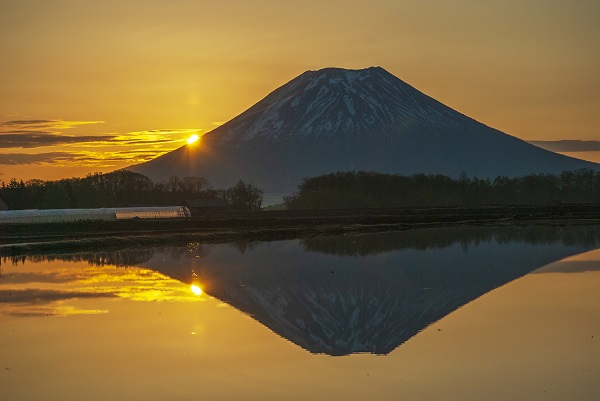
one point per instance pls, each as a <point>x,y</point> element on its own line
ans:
<point>502,313</point>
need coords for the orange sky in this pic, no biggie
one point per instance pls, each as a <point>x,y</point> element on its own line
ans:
<point>94,86</point>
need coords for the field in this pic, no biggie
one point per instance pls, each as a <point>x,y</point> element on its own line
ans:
<point>272,225</point>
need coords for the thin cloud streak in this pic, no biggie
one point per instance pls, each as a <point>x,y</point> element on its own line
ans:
<point>101,151</point>
<point>40,139</point>
<point>38,158</point>
<point>47,124</point>
<point>35,296</point>
<point>34,302</point>
<point>26,122</point>
<point>77,159</point>
<point>568,145</point>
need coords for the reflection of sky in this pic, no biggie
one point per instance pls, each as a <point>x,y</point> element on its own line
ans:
<point>47,285</point>
<point>51,288</point>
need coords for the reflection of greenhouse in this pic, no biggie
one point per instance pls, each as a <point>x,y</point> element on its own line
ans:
<point>109,214</point>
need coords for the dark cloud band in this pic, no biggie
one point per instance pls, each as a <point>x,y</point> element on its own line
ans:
<point>36,296</point>
<point>77,158</point>
<point>32,139</point>
<point>24,158</point>
<point>28,122</point>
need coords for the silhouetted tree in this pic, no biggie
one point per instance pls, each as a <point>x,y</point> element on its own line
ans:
<point>243,196</point>
<point>122,188</point>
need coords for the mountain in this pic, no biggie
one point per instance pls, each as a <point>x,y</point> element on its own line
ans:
<point>341,120</point>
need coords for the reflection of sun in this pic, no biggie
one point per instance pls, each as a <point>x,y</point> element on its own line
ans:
<point>193,139</point>
<point>196,290</point>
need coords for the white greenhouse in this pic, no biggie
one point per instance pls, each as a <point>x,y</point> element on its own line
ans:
<point>33,216</point>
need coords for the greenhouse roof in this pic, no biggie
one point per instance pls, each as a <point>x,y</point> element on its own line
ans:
<point>65,215</point>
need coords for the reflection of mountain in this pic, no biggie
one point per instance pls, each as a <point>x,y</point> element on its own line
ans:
<point>119,258</point>
<point>366,293</point>
<point>341,304</point>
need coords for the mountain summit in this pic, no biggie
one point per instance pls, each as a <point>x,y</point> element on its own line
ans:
<point>339,120</point>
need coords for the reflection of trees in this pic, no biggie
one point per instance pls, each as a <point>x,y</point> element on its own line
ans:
<point>193,249</point>
<point>371,244</point>
<point>121,258</point>
<point>125,257</point>
<point>351,244</point>
<point>243,245</point>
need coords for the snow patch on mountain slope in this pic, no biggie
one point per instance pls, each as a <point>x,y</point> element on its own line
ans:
<point>336,102</point>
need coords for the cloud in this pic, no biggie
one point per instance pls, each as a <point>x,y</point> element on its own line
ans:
<point>41,133</point>
<point>107,159</point>
<point>26,122</point>
<point>33,139</point>
<point>81,158</point>
<point>44,124</point>
<point>38,158</point>
<point>97,151</point>
<point>39,296</point>
<point>53,277</point>
<point>568,145</point>
<point>151,137</point>
<point>43,302</point>
<point>44,311</point>
<point>36,139</point>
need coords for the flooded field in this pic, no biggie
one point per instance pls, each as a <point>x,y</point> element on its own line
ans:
<point>453,313</point>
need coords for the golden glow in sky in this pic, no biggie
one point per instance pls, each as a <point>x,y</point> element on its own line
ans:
<point>96,86</point>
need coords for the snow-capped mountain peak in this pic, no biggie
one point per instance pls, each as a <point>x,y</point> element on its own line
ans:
<point>333,102</point>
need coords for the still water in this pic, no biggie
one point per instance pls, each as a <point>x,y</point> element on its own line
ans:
<point>454,314</point>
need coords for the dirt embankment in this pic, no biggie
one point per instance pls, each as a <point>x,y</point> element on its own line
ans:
<point>273,225</point>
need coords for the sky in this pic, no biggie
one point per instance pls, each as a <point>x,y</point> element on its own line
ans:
<point>93,86</point>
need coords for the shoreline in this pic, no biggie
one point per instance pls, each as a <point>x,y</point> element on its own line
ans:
<point>16,240</point>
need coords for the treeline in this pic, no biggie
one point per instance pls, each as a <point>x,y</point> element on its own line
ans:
<point>123,188</point>
<point>347,190</point>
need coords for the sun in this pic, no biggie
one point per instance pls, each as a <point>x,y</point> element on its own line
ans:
<point>196,290</point>
<point>193,139</point>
